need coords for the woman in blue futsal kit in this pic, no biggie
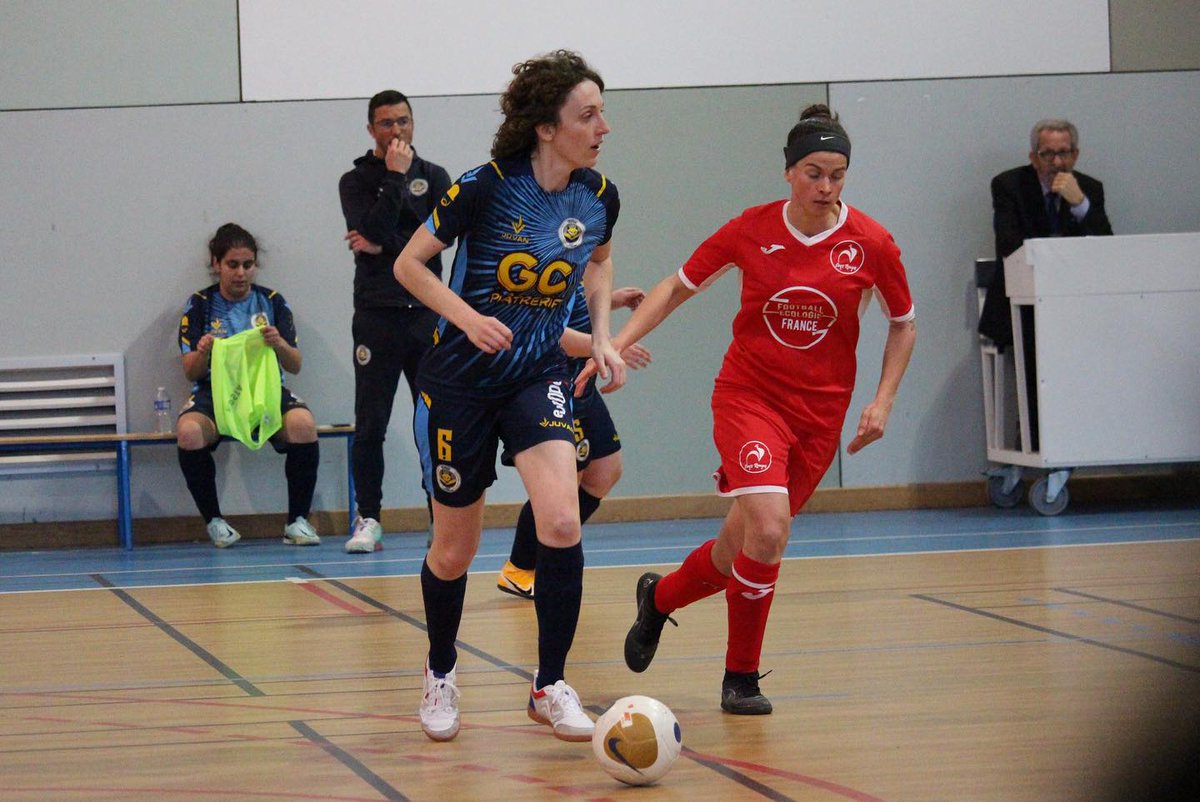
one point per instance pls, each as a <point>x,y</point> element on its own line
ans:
<point>529,224</point>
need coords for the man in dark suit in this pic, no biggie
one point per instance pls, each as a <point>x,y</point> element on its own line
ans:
<point>1045,198</point>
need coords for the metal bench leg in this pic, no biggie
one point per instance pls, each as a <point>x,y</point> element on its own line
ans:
<point>124,498</point>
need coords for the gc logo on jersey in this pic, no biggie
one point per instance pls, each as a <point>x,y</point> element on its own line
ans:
<point>799,317</point>
<point>571,232</point>
<point>754,457</point>
<point>529,284</point>
<point>847,257</point>
<point>362,354</point>
<point>418,187</point>
<point>448,478</point>
<point>259,320</point>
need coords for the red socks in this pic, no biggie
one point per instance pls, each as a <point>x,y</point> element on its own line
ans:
<point>748,595</point>
<point>696,579</point>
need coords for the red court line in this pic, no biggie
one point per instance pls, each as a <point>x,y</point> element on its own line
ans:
<point>321,593</point>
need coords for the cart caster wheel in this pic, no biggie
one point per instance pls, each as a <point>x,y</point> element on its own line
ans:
<point>1037,498</point>
<point>996,494</point>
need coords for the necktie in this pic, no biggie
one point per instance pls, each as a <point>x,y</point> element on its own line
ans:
<point>1052,211</point>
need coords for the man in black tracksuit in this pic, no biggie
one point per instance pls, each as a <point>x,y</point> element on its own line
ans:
<point>387,195</point>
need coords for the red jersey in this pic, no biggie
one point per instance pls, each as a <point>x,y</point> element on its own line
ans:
<point>794,338</point>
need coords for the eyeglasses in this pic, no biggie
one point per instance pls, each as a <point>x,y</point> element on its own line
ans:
<point>387,123</point>
<point>1051,155</point>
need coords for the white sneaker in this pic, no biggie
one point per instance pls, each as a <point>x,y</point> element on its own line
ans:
<point>367,537</point>
<point>558,705</point>
<point>301,533</point>
<point>221,533</point>
<point>439,705</point>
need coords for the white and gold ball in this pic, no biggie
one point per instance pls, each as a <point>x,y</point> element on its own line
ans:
<point>637,739</point>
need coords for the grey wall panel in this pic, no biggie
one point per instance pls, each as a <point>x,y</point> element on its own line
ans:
<point>1155,36</point>
<point>297,50</point>
<point>924,155</point>
<point>91,53</point>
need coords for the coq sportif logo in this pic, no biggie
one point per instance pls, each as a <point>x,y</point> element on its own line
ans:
<point>755,457</point>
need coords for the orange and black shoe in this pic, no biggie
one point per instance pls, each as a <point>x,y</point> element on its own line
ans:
<point>517,581</point>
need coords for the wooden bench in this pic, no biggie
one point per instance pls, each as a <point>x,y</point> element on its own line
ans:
<point>121,443</point>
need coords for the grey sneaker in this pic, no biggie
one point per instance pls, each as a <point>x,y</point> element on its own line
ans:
<point>221,533</point>
<point>741,696</point>
<point>367,537</point>
<point>300,533</point>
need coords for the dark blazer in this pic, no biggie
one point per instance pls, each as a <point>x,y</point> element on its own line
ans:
<point>1019,213</point>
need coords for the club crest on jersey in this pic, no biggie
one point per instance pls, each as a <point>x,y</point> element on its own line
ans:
<point>362,354</point>
<point>582,449</point>
<point>799,317</point>
<point>418,187</point>
<point>448,478</point>
<point>259,320</point>
<point>847,257</point>
<point>754,457</point>
<point>571,232</point>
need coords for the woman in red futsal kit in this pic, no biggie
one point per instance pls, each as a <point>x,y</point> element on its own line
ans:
<point>810,264</point>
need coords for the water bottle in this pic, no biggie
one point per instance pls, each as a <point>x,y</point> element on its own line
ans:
<point>162,411</point>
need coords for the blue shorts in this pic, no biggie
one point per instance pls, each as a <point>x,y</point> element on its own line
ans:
<point>202,401</point>
<point>458,437</point>
<point>595,433</point>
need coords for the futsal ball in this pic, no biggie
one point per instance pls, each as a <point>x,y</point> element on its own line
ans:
<point>637,739</point>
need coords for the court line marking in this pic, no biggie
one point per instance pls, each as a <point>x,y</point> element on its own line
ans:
<point>840,790</point>
<point>1128,605</point>
<point>189,644</point>
<point>1058,633</point>
<point>349,761</point>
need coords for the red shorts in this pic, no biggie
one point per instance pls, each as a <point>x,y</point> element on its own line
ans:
<point>763,452</point>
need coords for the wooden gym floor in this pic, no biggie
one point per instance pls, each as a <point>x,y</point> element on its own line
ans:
<point>972,654</point>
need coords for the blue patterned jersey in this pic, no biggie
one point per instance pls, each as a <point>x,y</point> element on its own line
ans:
<point>521,256</point>
<point>209,312</point>
<point>581,320</point>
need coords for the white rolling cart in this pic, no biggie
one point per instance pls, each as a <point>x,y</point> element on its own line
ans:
<point>1117,345</point>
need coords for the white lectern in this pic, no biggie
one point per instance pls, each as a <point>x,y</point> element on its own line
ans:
<point>1117,346</point>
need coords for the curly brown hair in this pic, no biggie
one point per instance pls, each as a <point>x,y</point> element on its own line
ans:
<point>535,96</point>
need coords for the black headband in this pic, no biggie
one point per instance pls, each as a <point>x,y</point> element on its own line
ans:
<point>817,140</point>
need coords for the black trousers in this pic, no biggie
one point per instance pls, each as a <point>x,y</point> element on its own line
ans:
<point>387,343</point>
